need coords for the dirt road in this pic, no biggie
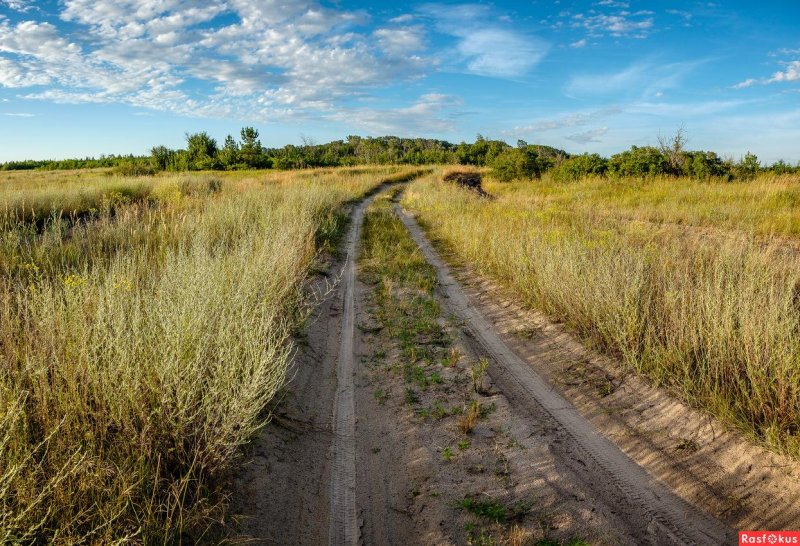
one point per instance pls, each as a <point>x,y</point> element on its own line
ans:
<point>354,454</point>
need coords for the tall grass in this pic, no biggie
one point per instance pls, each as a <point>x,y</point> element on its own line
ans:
<point>715,316</point>
<point>139,347</point>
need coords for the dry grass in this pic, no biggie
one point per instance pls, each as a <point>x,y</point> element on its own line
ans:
<point>469,419</point>
<point>711,311</point>
<point>141,342</point>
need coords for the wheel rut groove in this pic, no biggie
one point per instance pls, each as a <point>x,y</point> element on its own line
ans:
<point>654,513</point>
<point>344,519</point>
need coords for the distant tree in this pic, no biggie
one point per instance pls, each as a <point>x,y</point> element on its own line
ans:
<point>672,148</point>
<point>202,151</point>
<point>229,154</point>
<point>747,167</point>
<point>161,157</point>
<point>251,153</point>
<point>782,167</point>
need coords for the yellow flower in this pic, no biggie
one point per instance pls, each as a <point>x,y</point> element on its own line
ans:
<point>73,280</point>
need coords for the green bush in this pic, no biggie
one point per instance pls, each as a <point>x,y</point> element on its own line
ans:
<point>704,165</point>
<point>747,167</point>
<point>579,166</point>
<point>644,161</point>
<point>517,163</point>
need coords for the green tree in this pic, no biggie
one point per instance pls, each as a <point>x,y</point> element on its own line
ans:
<point>202,151</point>
<point>251,153</point>
<point>162,158</point>
<point>229,154</point>
<point>747,167</point>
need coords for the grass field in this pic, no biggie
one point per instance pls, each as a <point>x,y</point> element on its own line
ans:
<point>145,324</point>
<point>696,285</point>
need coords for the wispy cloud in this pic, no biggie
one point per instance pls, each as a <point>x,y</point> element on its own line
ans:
<point>636,25</point>
<point>485,44</point>
<point>431,112</point>
<point>644,78</point>
<point>592,135</point>
<point>578,44</point>
<point>687,16</point>
<point>574,119</point>
<point>749,82</point>
<point>18,114</point>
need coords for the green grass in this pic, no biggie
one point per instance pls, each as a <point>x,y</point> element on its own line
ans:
<point>693,284</point>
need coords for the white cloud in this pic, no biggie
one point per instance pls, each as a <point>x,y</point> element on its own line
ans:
<point>400,41</point>
<point>635,25</point>
<point>432,112</point>
<point>269,60</point>
<point>749,82</point>
<point>485,47</point>
<point>685,15</point>
<point>585,137</point>
<point>578,44</point>
<point>18,114</point>
<point>574,119</point>
<point>791,74</point>
<point>18,5</point>
<point>645,78</point>
<point>405,18</point>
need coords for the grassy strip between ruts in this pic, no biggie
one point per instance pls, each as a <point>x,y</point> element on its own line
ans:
<point>425,368</point>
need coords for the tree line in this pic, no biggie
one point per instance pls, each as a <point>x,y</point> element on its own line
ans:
<point>203,152</point>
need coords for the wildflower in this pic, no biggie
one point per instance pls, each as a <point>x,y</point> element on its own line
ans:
<point>73,280</point>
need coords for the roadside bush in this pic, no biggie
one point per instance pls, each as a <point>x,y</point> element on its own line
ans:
<point>515,164</point>
<point>704,165</point>
<point>577,167</point>
<point>644,161</point>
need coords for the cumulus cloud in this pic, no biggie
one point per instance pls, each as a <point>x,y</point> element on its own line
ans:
<point>263,60</point>
<point>578,44</point>
<point>18,5</point>
<point>790,74</point>
<point>400,41</point>
<point>485,44</point>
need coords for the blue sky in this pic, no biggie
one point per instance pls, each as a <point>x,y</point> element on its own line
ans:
<point>85,77</point>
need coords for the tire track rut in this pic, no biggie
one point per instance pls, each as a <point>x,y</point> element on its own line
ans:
<point>655,515</point>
